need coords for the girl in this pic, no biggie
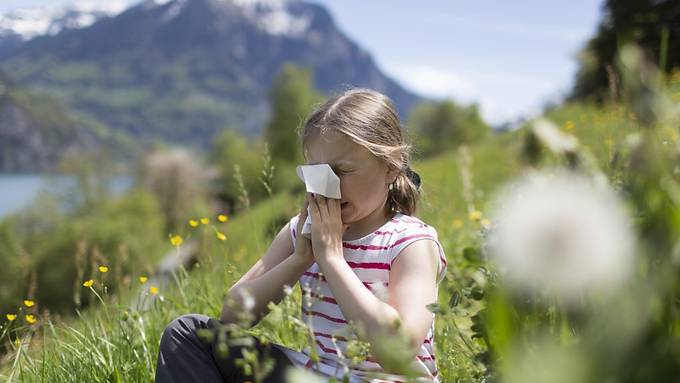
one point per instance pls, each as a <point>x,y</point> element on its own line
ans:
<point>369,260</point>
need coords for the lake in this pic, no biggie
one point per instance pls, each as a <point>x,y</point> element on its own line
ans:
<point>17,191</point>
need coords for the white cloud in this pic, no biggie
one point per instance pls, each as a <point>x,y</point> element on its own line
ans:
<point>501,96</point>
<point>524,31</point>
<point>433,81</point>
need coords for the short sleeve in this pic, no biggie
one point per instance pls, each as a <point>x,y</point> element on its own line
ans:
<point>292,224</point>
<point>419,233</point>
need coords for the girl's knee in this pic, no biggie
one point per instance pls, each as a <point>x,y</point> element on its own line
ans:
<point>184,325</point>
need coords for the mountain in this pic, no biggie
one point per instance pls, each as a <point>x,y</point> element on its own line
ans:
<point>182,70</point>
<point>37,133</point>
<point>20,25</point>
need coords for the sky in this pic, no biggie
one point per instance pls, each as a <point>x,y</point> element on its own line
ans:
<point>509,57</point>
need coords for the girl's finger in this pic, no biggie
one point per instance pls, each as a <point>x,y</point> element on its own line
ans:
<point>322,204</point>
<point>313,206</point>
<point>335,206</point>
<point>326,204</point>
<point>302,217</point>
<point>305,209</point>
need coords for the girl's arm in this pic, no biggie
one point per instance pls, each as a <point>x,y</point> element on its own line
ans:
<point>281,265</point>
<point>412,284</point>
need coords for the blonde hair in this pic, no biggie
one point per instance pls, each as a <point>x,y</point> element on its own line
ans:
<point>369,119</point>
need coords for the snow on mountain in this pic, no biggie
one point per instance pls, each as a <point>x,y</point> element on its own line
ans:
<point>274,17</point>
<point>31,22</point>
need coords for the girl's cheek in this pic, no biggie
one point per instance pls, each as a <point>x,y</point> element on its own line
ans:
<point>342,187</point>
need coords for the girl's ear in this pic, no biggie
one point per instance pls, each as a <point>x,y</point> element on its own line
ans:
<point>392,174</point>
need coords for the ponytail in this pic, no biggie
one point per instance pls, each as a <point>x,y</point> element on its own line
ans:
<point>404,192</point>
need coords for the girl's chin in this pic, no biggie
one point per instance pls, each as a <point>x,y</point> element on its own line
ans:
<point>345,216</point>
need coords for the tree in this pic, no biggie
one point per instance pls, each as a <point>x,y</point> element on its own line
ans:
<point>292,97</point>
<point>654,25</point>
<point>230,150</point>
<point>444,125</point>
<point>179,181</point>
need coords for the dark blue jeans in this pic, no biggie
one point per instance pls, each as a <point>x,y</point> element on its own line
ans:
<point>186,357</point>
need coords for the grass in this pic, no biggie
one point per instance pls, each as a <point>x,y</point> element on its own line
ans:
<point>114,342</point>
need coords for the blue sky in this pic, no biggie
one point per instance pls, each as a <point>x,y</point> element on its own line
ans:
<point>511,57</point>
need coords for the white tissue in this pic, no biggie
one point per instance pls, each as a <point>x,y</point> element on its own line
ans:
<point>318,179</point>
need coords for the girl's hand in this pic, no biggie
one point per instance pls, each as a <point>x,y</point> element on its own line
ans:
<point>303,246</point>
<point>327,227</point>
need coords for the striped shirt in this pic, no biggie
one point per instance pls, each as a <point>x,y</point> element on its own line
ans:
<point>371,258</point>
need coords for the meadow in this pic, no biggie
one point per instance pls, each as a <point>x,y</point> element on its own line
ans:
<point>484,331</point>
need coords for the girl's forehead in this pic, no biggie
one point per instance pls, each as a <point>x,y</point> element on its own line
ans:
<point>334,148</point>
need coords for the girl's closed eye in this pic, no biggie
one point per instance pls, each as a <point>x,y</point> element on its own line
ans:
<point>341,171</point>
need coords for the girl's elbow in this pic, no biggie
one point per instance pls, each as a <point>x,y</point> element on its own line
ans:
<point>237,298</point>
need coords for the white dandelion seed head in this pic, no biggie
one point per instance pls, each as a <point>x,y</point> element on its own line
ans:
<point>564,234</point>
<point>247,299</point>
<point>295,375</point>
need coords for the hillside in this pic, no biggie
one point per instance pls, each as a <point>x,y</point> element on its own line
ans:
<point>37,132</point>
<point>182,70</point>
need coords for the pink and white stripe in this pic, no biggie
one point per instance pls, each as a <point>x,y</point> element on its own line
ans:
<point>371,258</point>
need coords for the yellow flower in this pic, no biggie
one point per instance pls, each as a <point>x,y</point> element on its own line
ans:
<point>608,141</point>
<point>221,236</point>
<point>205,221</point>
<point>457,223</point>
<point>153,290</point>
<point>193,223</point>
<point>143,279</point>
<point>88,283</point>
<point>30,318</point>
<point>222,218</point>
<point>176,240</point>
<point>475,215</point>
<point>569,126</point>
<point>485,222</point>
<point>29,303</point>
<point>103,269</point>
<point>11,317</point>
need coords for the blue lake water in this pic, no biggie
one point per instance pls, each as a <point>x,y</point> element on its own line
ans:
<point>18,191</point>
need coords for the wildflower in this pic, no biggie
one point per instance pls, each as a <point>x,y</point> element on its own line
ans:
<point>205,221</point>
<point>562,234</point>
<point>29,303</point>
<point>247,299</point>
<point>11,317</point>
<point>457,223</point>
<point>475,215</point>
<point>193,223</point>
<point>222,218</point>
<point>176,240</point>
<point>485,222</point>
<point>552,138</point>
<point>608,141</point>
<point>103,269</point>
<point>569,126</point>
<point>88,283</point>
<point>153,290</point>
<point>221,236</point>
<point>301,375</point>
<point>30,318</point>
<point>143,279</point>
